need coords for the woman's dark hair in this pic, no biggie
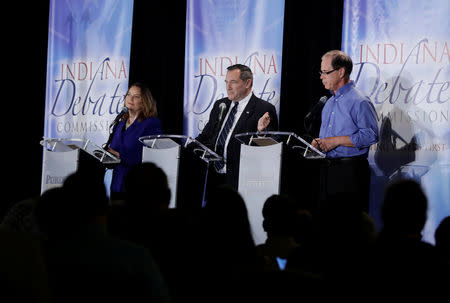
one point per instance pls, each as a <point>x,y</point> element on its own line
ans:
<point>148,102</point>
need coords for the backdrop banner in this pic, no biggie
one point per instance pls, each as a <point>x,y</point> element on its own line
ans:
<point>223,33</point>
<point>87,68</point>
<point>400,51</point>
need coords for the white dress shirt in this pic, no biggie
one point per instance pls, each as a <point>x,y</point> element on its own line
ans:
<point>241,106</point>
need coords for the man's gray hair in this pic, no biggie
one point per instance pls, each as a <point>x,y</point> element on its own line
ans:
<point>340,59</point>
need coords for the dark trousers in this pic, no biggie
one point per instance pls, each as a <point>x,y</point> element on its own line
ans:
<point>214,179</point>
<point>344,183</point>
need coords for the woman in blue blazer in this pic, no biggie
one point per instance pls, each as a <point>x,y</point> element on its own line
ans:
<point>140,120</point>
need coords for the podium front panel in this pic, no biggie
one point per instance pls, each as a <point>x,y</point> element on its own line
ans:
<point>168,160</point>
<point>259,178</point>
<point>56,167</point>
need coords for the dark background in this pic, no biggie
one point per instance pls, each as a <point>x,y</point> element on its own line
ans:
<point>157,58</point>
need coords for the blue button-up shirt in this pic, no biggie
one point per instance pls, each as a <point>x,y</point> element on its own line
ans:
<point>349,113</point>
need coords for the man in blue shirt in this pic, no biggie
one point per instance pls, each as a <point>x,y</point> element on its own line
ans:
<point>349,126</point>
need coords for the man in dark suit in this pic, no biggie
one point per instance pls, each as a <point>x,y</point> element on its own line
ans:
<point>241,112</point>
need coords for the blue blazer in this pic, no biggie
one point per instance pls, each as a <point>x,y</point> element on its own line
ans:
<point>126,142</point>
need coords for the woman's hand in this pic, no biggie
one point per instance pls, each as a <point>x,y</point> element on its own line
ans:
<point>112,151</point>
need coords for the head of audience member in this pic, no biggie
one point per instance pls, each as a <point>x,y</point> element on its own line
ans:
<point>344,222</point>
<point>147,189</point>
<point>442,237</point>
<point>20,217</point>
<point>79,202</point>
<point>279,215</point>
<point>404,210</point>
<point>50,213</point>
<point>227,214</point>
<point>87,196</point>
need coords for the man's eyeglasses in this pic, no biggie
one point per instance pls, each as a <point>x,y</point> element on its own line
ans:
<point>328,72</point>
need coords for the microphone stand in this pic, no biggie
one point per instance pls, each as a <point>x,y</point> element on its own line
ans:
<point>217,128</point>
<point>114,126</point>
<point>106,145</point>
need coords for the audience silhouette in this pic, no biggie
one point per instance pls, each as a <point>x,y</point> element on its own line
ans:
<point>145,219</point>
<point>83,261</point>
<point>72,244</point>
<point>279,222</point>
<point>442,242</point>
<point>23,273</point>
<point>224,251</point>
<point>403,261</point>
<point>20,217</point>
<point>342,238</point>
<point>289,233</point>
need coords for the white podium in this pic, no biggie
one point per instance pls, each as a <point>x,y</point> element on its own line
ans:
<point>61,158</point>
<point>165,150</point>
<point>260,170</point>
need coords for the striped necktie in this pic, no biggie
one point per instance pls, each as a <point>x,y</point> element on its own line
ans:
<point>223,136</point>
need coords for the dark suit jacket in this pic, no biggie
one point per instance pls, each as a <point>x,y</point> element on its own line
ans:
<point>248,122</point>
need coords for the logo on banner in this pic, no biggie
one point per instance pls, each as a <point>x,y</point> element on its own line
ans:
<point>402,87</point>
<point>212,71</point>
<point>86,95</point>
<point>417,84</point>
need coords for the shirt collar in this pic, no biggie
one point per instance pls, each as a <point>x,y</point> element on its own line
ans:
<point>343,89</point>
<point>243,102</point>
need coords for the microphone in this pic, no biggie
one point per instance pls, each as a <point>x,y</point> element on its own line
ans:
<point>318,107</point>
<point>119,116</point>
<point>222,107</point>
